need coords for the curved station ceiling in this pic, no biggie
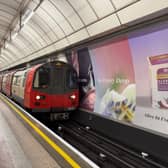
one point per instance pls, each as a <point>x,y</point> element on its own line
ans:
<point>32,28</point>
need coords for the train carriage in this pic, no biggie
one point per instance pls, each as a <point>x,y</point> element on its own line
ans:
<point>50,87</point>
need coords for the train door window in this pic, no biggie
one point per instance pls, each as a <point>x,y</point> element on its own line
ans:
<point>14,80</point>
<point>72,81</point>
<point>18,80</point>
<point>42,78</point>
<point>4,80</point>
<point>24,79</point>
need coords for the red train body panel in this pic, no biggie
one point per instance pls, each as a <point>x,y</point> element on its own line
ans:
<point>51,102</point>
<point>29,94</point>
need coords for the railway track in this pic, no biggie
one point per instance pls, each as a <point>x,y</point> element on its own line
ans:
<point>104,152</point>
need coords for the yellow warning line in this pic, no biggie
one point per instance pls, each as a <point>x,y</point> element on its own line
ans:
<point>44,136</point>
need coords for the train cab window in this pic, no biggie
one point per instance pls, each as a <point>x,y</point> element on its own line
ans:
<point>42,78</point>
<point>72,81</point>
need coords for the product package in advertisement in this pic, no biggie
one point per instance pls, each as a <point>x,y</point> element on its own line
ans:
<point>158,66</point>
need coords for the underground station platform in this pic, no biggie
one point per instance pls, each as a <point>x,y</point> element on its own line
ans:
<point>26,143</point>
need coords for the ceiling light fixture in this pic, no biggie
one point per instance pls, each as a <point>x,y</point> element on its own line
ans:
<point>26,16</point>
<point>13,36</point>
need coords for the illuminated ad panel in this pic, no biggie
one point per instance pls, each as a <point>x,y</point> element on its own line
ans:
<point>150,59</point>
<point>127,78</point>
<point>114,80</point>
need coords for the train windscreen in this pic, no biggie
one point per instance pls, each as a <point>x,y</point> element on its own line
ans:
<point>42,78</point>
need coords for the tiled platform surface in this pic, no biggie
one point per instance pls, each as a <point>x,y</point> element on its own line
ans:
<point>18,148</point>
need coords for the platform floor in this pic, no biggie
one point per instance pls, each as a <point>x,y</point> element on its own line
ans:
<point>18,148</point>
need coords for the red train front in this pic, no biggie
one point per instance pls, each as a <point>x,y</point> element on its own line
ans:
<point>50,87</point>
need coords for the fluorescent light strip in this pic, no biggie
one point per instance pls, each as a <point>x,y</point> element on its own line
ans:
<point>28,17</point>
<point>14,35</point>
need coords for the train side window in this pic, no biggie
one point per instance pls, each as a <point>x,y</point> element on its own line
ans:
<point>42,78</point>
<point>72,80</point>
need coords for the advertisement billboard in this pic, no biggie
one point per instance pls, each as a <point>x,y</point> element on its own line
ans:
<point>126,78</point>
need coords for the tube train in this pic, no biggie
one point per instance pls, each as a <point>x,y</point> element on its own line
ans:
<point>49,87</point>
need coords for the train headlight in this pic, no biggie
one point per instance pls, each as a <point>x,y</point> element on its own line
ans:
<point>38,97</point>
<point>73,97</point>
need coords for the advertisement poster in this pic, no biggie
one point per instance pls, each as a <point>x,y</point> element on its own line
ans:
<point>114,80</point>
<point>149,54</point>
<point>126,79</point>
